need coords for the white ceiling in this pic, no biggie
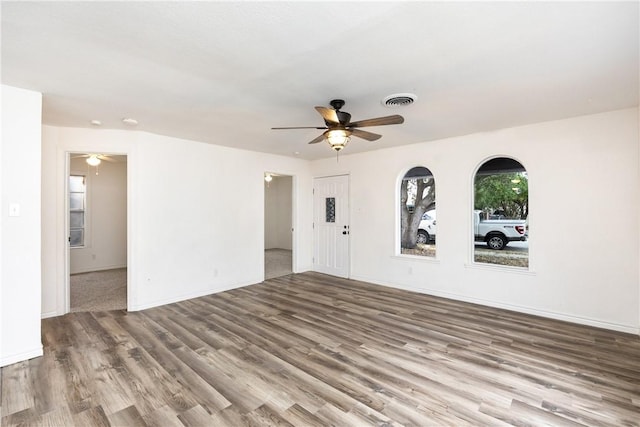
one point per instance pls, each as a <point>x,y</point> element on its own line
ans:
<point>226,72</point>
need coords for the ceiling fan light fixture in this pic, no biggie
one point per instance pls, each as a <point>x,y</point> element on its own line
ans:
<point>268,177</point>
<point>338,138</point>
<point>93,160</point>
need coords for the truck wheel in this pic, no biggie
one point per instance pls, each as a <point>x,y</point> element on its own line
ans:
<point>496,241</point>
<point>423,237</point>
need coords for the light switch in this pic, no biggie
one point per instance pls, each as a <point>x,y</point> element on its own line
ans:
<point>14,209</point>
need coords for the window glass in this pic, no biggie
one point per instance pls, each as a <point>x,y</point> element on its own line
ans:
<point>76,238</point>
<point>76,219</point>
<point>77,203</point>
<point>76,183</point>
<point>330,209</point>
<point>418,213</point>
<point>500,214</point>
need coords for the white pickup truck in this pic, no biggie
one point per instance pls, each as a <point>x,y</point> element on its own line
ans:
<point>498,232</point>
<point>427,227</point>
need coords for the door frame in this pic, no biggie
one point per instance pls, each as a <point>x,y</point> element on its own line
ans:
<point>294,213</point>
<point>64,303</point>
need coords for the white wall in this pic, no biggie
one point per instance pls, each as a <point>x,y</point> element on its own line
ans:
<point>278,208</point>
<point>195,214</point>
<point>20,278</point>
<point>584,200</point>
<point>106,217</point>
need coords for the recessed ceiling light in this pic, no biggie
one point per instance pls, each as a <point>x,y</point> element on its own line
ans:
<point>129,121</point>
<point>96,123</point>
<point>399,100</point>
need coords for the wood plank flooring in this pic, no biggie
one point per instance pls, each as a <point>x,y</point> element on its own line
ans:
<point>313,350</point>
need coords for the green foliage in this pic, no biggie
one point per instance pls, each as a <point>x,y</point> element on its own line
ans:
<point>504,193</point>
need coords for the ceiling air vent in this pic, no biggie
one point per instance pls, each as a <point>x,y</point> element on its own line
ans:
<point>399,100</point>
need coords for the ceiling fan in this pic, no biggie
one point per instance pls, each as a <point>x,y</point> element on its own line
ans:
<point>339,127</point>
<point>95,159</point>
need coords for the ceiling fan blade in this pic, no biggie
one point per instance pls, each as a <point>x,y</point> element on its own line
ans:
<point>379,121</point>
<point>343,117</point>
<point>107,159</point>
<point>369,136</point>
<point>301,127</point>
<point>328,115</point>
<point>318,139</point>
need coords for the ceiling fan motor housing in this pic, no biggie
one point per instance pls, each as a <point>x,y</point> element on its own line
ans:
<point>337,103</point>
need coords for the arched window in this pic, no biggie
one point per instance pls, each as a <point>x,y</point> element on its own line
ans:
<point>418,213</point>
<point>501,212</point>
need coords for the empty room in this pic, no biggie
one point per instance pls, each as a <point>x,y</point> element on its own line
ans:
<point>320,213</point>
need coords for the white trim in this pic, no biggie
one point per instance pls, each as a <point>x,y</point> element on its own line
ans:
<point>294,217</point>
<point>22,356</point>
<point>501,268</point>
<point>630,329</point>
<point>294,221</point>
<point>108,267</point>
<point>190,295</point>
<point>63,164</point>
<point>417,258</point>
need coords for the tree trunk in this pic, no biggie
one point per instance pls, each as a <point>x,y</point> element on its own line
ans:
<point>410,221</point>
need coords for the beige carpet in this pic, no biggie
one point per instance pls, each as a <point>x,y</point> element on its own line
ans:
<point>277,262</point>
<point>99,290</point>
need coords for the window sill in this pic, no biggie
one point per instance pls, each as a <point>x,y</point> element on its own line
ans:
<point>503,268</point>
<point>428,259</point>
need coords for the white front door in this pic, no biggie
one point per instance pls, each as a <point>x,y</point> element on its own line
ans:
<point>331,225</point>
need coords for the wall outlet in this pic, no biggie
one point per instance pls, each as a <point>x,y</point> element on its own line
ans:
<point>14,209</point>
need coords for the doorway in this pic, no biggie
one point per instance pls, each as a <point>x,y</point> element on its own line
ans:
<point>331,225</point>
<point>278,228</point>
<point>97,230</point>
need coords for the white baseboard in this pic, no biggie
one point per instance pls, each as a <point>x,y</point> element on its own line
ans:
<point>520,309</point>
<point>183,297</point>
<point>104,268</point>
<point>49,314</point>
<point>19,357</point>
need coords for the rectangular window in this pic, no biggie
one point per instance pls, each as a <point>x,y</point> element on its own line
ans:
<point>330,209</point>
<point>77,206</point>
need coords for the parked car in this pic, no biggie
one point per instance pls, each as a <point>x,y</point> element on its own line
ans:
<point>427,227</point>
<point>497,233</point>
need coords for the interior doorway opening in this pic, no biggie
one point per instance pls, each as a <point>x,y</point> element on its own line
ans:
<point>97,232</point>
<point>278,225</point>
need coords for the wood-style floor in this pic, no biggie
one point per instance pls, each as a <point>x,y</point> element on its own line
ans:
<point>313,350</point>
